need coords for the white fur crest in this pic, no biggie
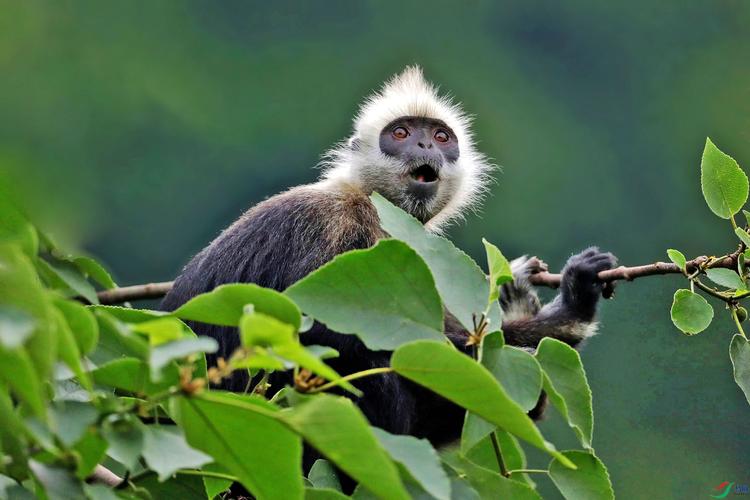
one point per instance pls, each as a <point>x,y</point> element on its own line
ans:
<point>409,94</point>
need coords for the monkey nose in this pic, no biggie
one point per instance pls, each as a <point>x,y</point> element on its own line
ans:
<point>423,146</point>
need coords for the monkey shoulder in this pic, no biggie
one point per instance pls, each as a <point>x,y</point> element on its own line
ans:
<point>282,239</point>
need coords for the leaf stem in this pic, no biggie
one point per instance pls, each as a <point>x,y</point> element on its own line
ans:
<point>352,376</point>
<point>528,471</point>
<point>498,455</point>
<point>737,321</point>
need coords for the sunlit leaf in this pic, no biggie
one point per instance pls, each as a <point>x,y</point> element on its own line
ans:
<point>724,184</point>
<point>385,295</point>
<point>499,266</point>
<point>677,257</point>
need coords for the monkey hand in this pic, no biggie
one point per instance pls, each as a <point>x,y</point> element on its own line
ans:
<point>581,288</point>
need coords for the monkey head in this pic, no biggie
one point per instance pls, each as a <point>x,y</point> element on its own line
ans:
<point>414,147</point>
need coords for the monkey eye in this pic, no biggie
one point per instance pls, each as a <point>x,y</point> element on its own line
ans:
<point>441,136</point>
<point>400,133</point>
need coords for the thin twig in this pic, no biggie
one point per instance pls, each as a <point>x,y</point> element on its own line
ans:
<point>157,290</point>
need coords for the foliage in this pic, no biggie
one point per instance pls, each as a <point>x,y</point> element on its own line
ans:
<point>82,385</point>
<point>725,189</point>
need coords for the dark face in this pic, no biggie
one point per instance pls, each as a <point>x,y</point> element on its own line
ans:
<point>425,147</point>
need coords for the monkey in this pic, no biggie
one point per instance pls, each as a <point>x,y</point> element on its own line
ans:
<point>416,148</point>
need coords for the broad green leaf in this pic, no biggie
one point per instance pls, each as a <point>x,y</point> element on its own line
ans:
<point>70,419</point>
<point>566,385</point>
<point>58,483</point>
<point>742,235</point>
<point>92,269</point>
<point>226,303</point>
<point>240,433</point>
<point>474,430</point>
<point>461,282</point>
<point>589,481</point>
<point>82,324</point>
<point>180,487</point>
<point>67,350</point>
<point>257,329</point>
<point>89,451</point>
<point>488,483</point>
<point>323,494</point>
<point>127,314</point>
<point>724,184</point>
<point>338,430</point>
<point>124,436</point>
<point>162,330</point>
<point>132,375</point>
<point>677,257</point>
<point>323,475</point>
<point>166,451</point>
<point>15,228</point>
<point>213,485</point>
<point>117,340</point>
<point>483,454</point>
<point>499,266</point>
<point>66,277</point>
<point>21,289</point>
<point>739,353</point>
<point>385,295</point>
<point>726,277</point>
<point>420,459</point>
<point>516,370</point>
<point>15,327</point>
<point>322,351</point>
<point>163,354</point>
<point>460,379</point>
<point>12,436</point>
<point>691,313</point>
<point>20,375</point>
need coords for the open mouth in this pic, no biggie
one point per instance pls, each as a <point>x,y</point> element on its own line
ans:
<point>425,174</point>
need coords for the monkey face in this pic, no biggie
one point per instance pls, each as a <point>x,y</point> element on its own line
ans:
<point>421,156</point>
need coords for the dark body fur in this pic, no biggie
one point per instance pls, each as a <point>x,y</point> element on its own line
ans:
<point>284,238</point>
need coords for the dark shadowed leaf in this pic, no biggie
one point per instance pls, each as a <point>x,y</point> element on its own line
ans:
<point>124,435</point>
<point>337,429</point>
<point>461,282</point>
<point>58,483</point>
<point>739,352</point>
<point>70,419</point>
<point>488,483</point>
<point>323,494</point>
<point>589,481</point>
<point>516,370</point>
<point>66,277</point>
<point>385,295</point>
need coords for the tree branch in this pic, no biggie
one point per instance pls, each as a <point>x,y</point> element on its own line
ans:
<point>102,475</point>
<point>158,290</point>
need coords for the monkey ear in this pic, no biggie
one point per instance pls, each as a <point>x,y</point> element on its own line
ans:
<point>354,143</point>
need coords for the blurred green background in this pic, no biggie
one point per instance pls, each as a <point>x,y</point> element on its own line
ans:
<point>137,130</point>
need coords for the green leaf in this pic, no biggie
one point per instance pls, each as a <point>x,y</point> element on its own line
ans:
<point>258,329</point>
<point>677,257</point>
<point>244,434</point>
<point>117,340</point>
<point>15,228</point>
<point>70,419</point>
<point>92,269</point>
<point>20,375</point>
<point>226,303</point>
<point>323,494</point>
<point>488,483</point>
<point>58,483</point>
<point>82,324</point>
<point>166,451</point>
<point>589,481</point>
<point>213,486</point>
<point>132,375</point>
<point>66,277</point>
<point>16,326</point>
<point>67,350</point>
<point>691,313</point>
<point>483,454</point>
<point>323,475</point>
<point>742,235</point>
<point>12,436</point>
<point>385,295</point>
<point>162,330</point>
<point>566,385</point>
<point>724,184</point>
<point>739,353</point>
<point>517,371</point>
<point>475,429</point>
<point>726,277</point>
<point>420,459</point>
<point>89,451</point>
<point>124,436</point>
<point>461,282</point>
<point>460,379</point>
<point>747,216</point>
<point>163,354</point>
<point>336,428</point>
<point>500,271</point>
<point>127,314</point>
